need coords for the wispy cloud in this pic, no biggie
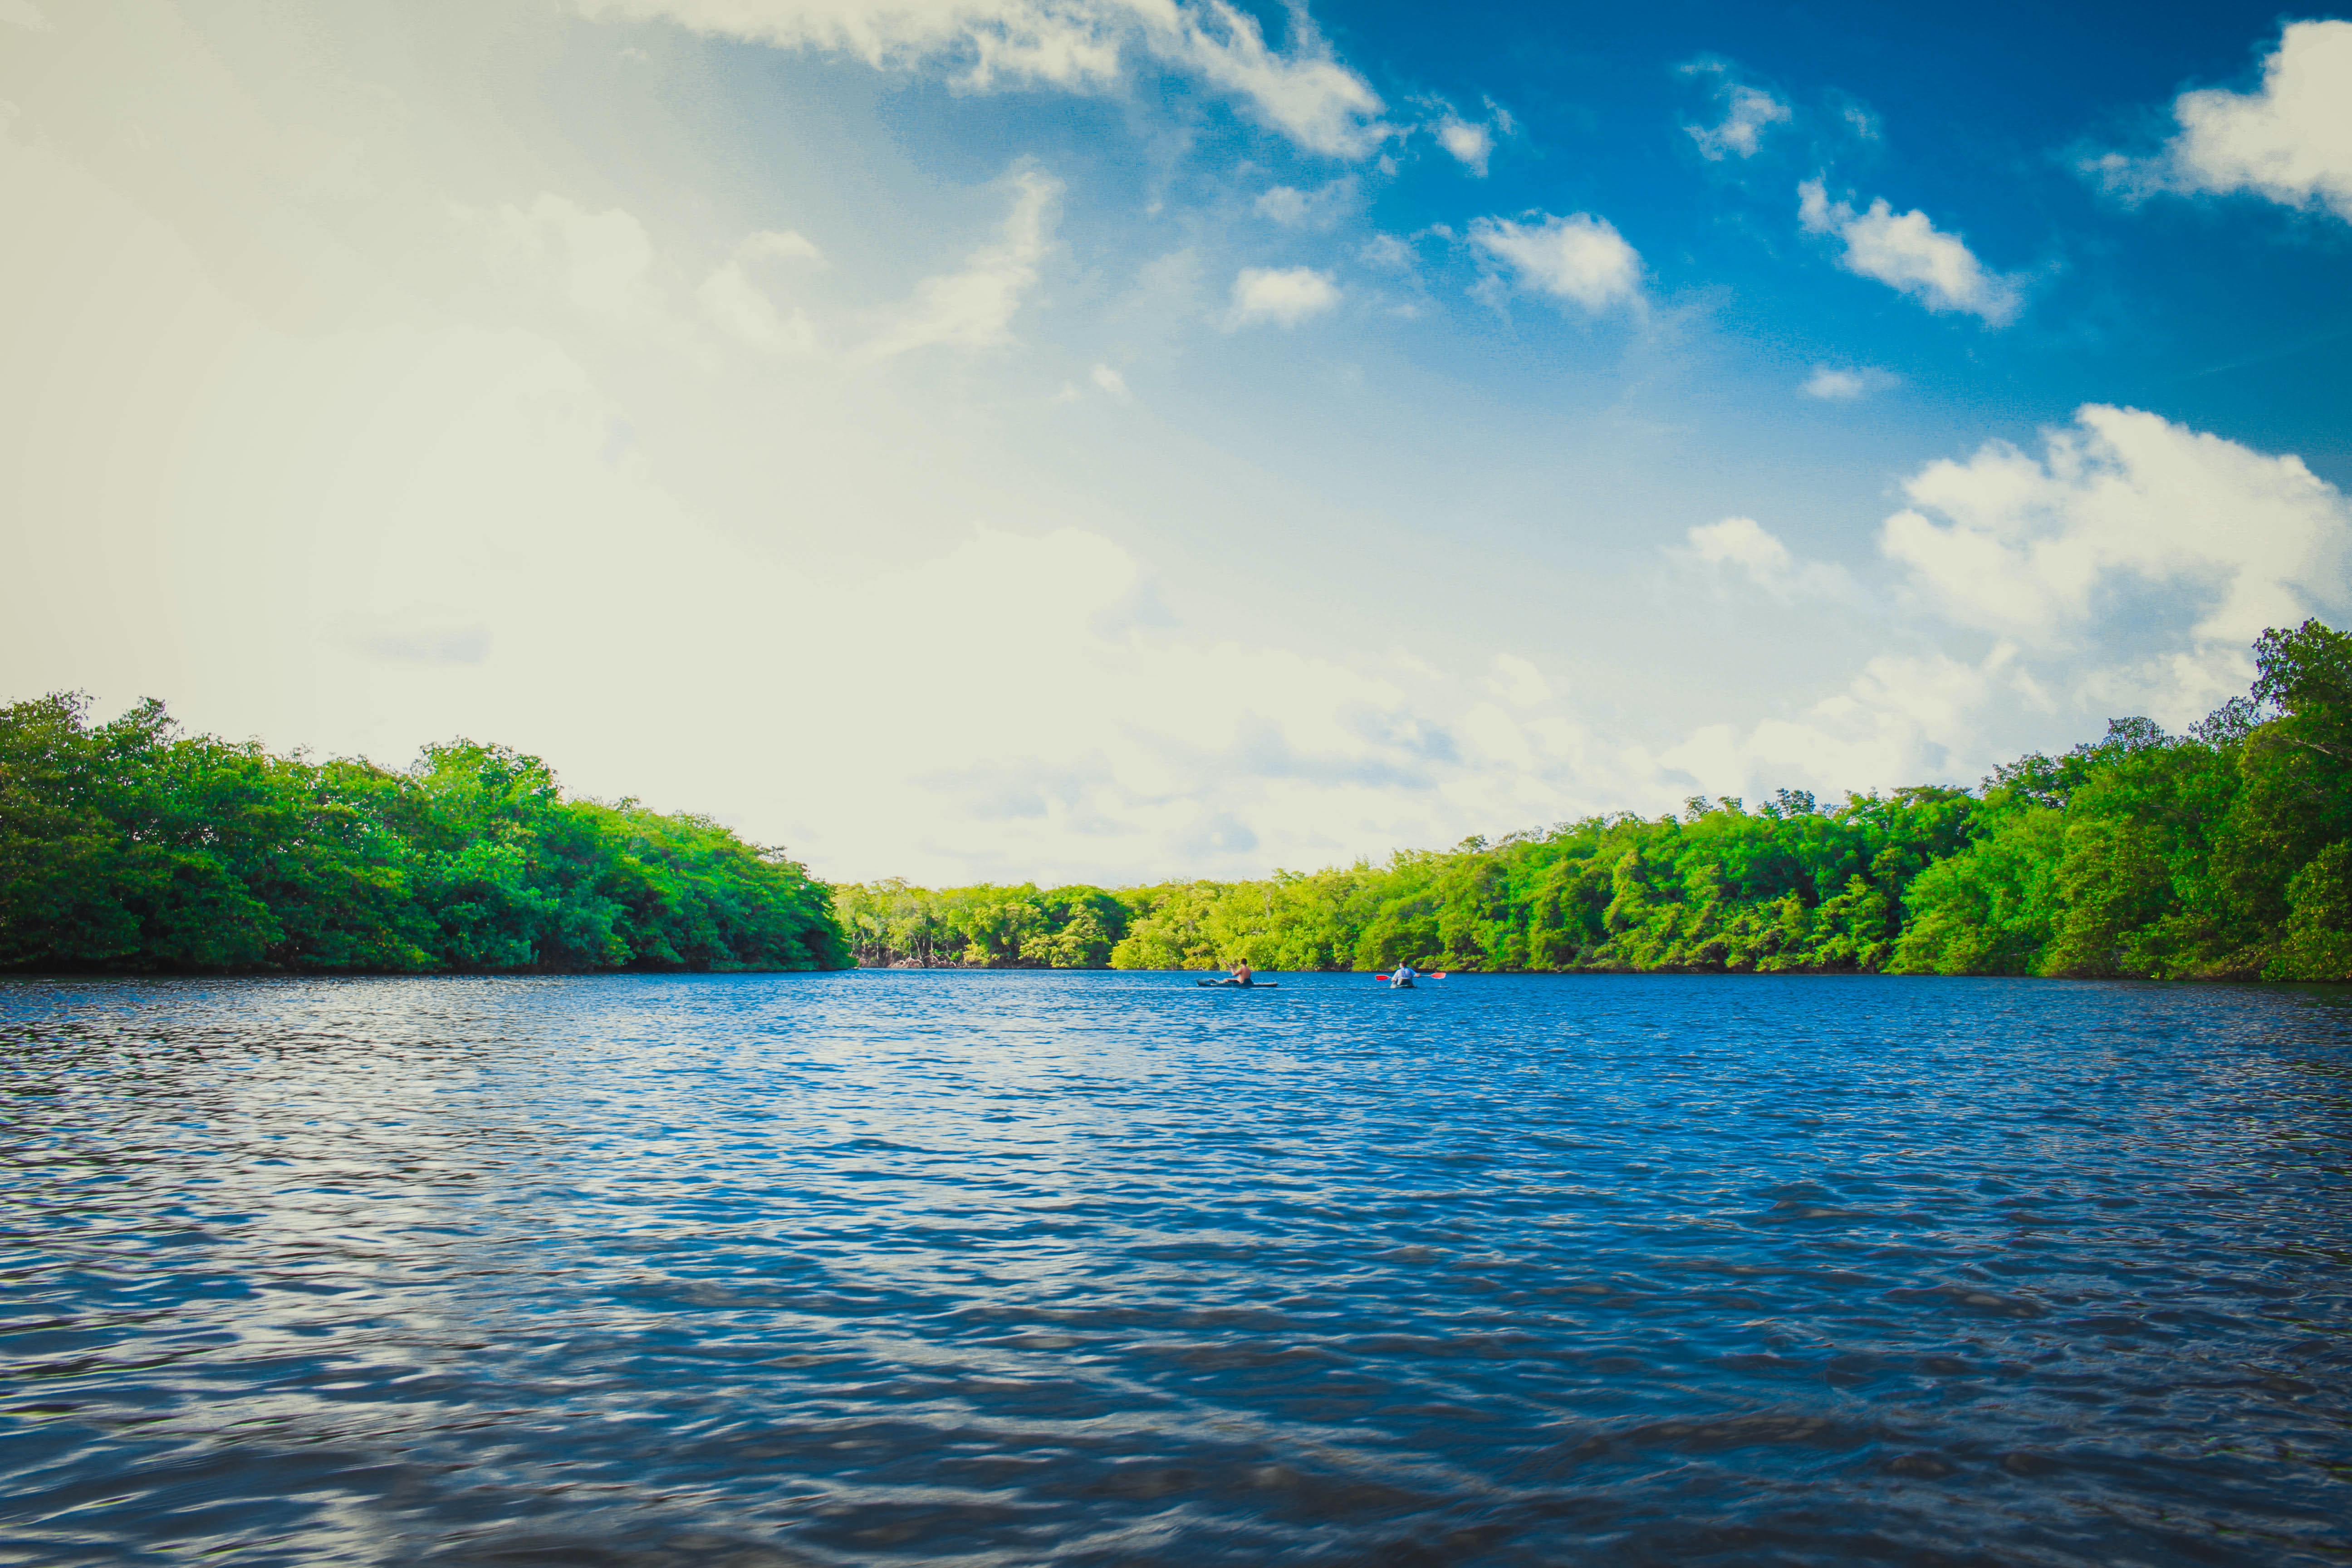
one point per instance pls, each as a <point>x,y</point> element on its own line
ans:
<point>1908,253</point>
<point>1471,144</point>
<point>1303,91</point>
<point>1834,384</point>
<point>1743,546</point>
<point>1468,141</point>
<point>1746,112</point>
<point>973,306</point>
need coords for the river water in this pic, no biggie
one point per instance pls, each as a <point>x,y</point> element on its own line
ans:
<point>1012,1268</point>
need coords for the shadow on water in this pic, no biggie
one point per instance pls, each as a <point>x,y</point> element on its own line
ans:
<point>1106,1269</point>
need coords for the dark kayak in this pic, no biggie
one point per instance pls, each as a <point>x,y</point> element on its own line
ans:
<point>1245,984</point>
<point>1400,985</point>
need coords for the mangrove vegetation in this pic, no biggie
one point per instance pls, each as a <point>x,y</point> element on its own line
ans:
<point>130,845</point>
<point>2226,852</point>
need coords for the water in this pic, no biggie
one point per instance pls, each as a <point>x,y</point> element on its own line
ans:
<point>1090,1270</point>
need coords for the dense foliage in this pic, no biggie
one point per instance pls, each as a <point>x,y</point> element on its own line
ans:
<point>130,845</point>
<point>2227,852</point>
<point>985,927</point>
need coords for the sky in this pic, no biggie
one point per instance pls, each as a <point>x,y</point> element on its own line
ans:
<point>1125,440</point>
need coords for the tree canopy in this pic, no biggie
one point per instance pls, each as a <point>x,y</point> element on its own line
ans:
<point>130,845</point>
<point>2226,852</point>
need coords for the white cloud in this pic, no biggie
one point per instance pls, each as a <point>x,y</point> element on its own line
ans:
<point>2290,141</point>
<point>1111,382</point>
<point>2124,502</point>
<point>1069,46</point>
<point>1743,541</point>
<point>2124,571</point>
<point>742,308</point>
<point>1237,755</point>
<point>1904,718</point>
<point>287,573</point>
<point>1747,546</point>
<point>1295,208</point>
<point>1906,252</point>
<point>973,307</point>
<point>601,261</point>
<point>1283,295</point>
<point>1471,144</point>
<point>1517,682</point>
<point>273,502</point>
<point>1860,121</point>
<point>1747,110</point>
<point>1831,385</point>
<point>1305,93</point>
<point>1579,257</point>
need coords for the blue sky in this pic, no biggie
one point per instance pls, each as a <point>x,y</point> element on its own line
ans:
<point>1123,438</point>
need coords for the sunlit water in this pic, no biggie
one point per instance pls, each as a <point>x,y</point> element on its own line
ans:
<point>1035,1268</point>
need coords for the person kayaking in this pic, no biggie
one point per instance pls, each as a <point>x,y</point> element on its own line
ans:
<point>1402,975</point>
<point>1242,973</point>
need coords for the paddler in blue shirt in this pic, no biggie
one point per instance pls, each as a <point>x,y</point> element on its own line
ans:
<point>1403,976</point>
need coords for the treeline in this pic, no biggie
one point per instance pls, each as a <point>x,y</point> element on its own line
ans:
<point>132,845</point>
<point>2226,852</point>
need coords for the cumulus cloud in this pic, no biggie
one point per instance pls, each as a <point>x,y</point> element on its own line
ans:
<point>1078,45</point>
<point>2289,141</point>
<point>1110,381</point>
<point>1747,111</point>
<point>1904,718</point>
<point>1906,252</point>
<point>2038,548</point>
<point>1283,295</point>
<point>1743,546</point>
<point>1580,258</point>
<point>1832,384</point>
<point>974,307</point>
<point>736,303</point>
<point>2122,570</point>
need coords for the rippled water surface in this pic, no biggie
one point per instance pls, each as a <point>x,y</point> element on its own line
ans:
<point>1093,1268</point>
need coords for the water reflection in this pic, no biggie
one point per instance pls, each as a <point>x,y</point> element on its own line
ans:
<point>1074,1269</point>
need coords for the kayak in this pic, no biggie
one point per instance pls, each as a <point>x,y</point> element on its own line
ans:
<point>1241,986</point>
